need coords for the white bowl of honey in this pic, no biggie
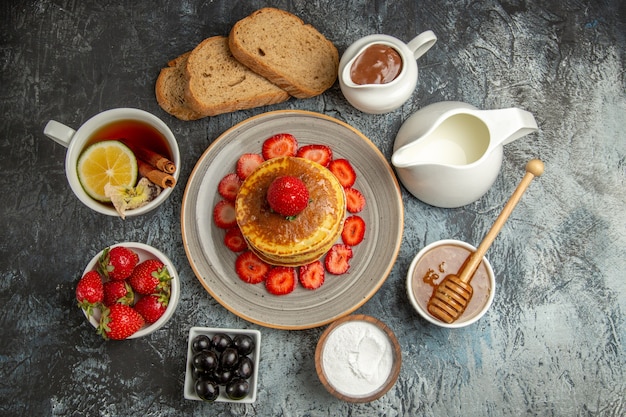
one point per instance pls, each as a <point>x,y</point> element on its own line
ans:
<point>432,264</point>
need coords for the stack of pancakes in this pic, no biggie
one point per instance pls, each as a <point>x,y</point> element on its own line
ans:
<point>306,237</point>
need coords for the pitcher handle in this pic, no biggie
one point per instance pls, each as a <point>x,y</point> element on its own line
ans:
<point>507,125</point>
<point>422,43</point>
<point>59,133</point>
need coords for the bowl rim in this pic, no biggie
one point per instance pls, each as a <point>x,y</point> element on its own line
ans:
<point>396,364</point>
<point>188,390</point>
<point>175,287</point>
<point>424,313</point>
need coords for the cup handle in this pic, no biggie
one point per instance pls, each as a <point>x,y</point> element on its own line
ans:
<point>59,133</point>
<point>422,43</point>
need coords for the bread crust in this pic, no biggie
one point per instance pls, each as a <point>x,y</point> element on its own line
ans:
<point>170,89</point>
<point>282,48</point>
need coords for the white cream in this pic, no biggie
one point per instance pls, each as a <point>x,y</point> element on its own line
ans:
<point>357,358</point>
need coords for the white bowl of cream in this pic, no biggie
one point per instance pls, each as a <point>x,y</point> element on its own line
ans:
<point>358,358</point>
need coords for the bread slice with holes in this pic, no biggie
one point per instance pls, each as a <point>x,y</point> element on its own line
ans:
<point>170,89</point>
<point>282,48</point>
<point>217,83</point>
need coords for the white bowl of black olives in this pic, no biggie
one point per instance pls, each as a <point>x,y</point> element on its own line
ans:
<point>222,365</point>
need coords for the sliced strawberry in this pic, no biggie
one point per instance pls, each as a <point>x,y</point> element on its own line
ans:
<point>247,163</point>
<point>337,260</point>
<point>250,268</point>
<point>321,154</point>
<point>234,240</point>
<point>228,186</point>
<point>282,144</point>
<point>281,280</point>
<point>343,171</point>
<point>312,275</point>
<point>355,201</point>
<point>224,214</point>
<point>353,230</point>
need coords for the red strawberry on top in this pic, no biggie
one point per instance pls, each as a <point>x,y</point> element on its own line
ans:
<point>224,214</point>
<point>282,144</point>
<point>247,163</point>
<point>353,230</point>
<point>355,201</point>
<point>152,307</point>
<point>228,186</point>
<point>149,277</point>
<point>321,154</point>
<point>287,196</point>
<point>337,260</point>
<point>343,171</point>
<point>89,291</point>
<point>118,292</point>
<point>281,280</point>
<point>117,263</point>
<point>119,322</point>
<point>250,268</point>
<point>311,276</point>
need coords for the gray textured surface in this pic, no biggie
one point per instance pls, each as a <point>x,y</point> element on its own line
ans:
<point>553,343</point>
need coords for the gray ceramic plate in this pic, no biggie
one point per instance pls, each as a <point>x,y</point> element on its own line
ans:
<point>373,259</point>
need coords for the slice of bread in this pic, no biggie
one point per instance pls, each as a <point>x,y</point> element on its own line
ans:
<point>170,89</point>
<point>217,83</point>
<point>282,48</point>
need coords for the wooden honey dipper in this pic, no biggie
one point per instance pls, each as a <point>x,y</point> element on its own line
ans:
<point>454,292</point>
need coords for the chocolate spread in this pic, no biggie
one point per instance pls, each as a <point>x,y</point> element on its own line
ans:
<point>377,64</point>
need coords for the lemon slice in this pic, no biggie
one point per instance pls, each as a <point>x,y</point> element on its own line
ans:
<point>106,162</point>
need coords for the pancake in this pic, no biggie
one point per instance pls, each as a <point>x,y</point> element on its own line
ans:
<point>303,239</point>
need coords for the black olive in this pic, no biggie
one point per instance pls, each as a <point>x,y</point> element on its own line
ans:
<point>244,344</point>
<point>221,341</point>
<point>245,368</point>
<point>200,343</point>
<point>207,390</point>
<point>222,376</point>
<point>229,358</point>
<point>237,389</point>
<point>205,361</point>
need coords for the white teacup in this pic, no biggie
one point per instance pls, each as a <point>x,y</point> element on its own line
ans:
<point>76,140</point>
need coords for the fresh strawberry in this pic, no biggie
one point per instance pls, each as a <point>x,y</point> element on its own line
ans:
<point>149,277</point>
<point>355,201</point>
<point>118,292</point>
<point>228,186</point>
<point>343,171</point>
<point>281,280</point>
<point>224,214</point>
<point>250,268</point>
<point>119,322</point>
<point>311,276</point>
<point>337,260</point>
<point>117,263</point>
<point>89,291</point>
<point>152,307</point>
<point>287,196</point>
<point>321,154</point>
<point>247,163</point>
<point>282,144</point>
<point>234,240</point>
<point>353,230</point>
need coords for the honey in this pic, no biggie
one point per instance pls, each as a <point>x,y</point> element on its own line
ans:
<point>444,260</point>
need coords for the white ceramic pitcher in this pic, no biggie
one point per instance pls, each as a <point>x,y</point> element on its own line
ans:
<point>449,154</point>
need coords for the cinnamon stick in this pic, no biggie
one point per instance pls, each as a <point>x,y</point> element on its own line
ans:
<point>160,178</point>
<point>153,158</point>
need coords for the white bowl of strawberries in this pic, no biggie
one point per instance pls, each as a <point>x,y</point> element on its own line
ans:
<point>128,290</point>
